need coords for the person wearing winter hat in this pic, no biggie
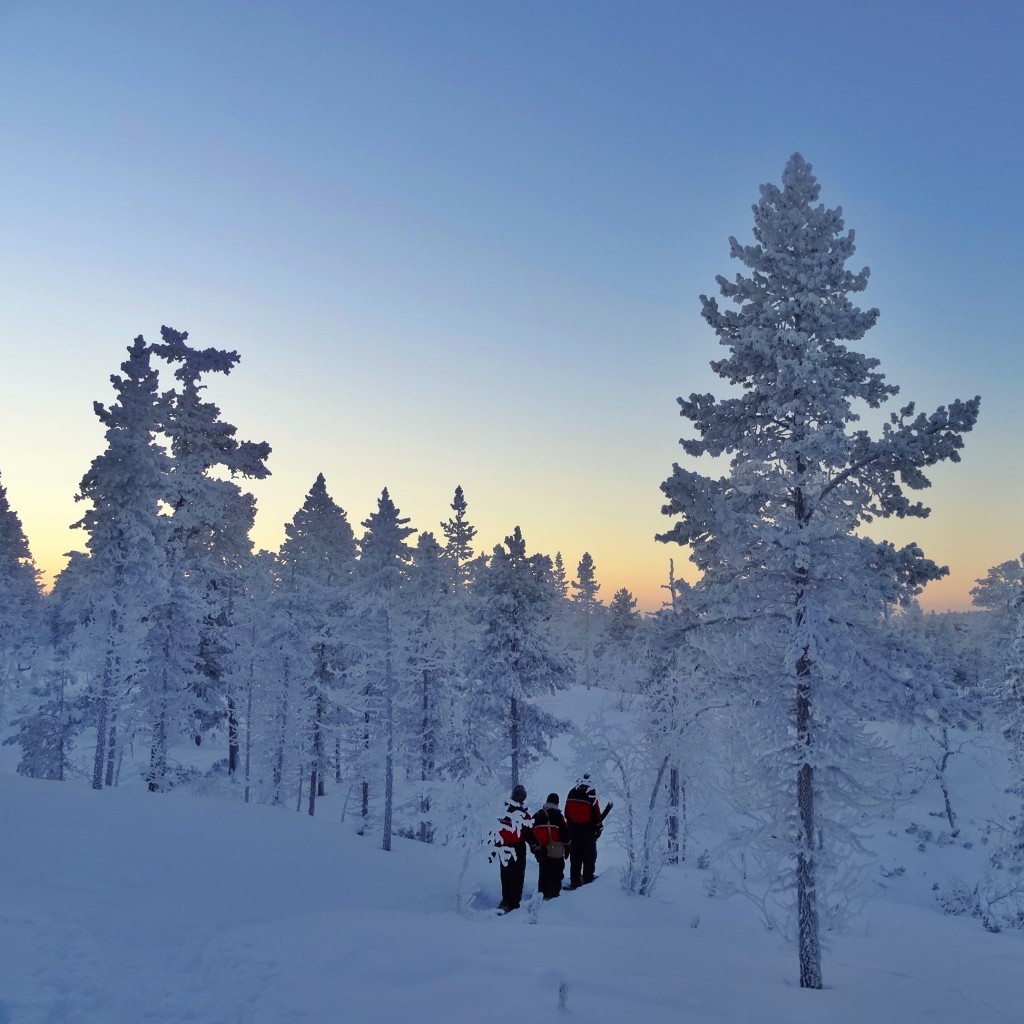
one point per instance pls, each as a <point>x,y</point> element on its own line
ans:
<point>513,835</point>
<point>586,820</point>
<point>550,847</point>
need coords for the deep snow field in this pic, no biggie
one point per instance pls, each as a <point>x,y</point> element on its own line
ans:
<point>121,907</point>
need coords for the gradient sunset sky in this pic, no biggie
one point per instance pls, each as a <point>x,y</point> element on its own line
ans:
<point>463,243</point>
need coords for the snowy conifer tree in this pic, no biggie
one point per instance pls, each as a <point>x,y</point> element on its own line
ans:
<point>50,715</point>
<point>776,537</point>
<point>623,620</point>
<point>21,622</point>
<point>585,610</point>
<point>463,567</point>
<point>1001,593</point>
<point>559,577</point>
<point>518,661</point>
<point>434,671</point>
<point>317,560</point>
<point>381,633</point>
<point>253,668</point>
<point>458,535</point>
<point>127,570</point>
<point>209,531</point>
<point>617,644</point>
<point>940,702</point>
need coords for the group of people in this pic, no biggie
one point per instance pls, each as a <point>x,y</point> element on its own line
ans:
<point>553,838</point>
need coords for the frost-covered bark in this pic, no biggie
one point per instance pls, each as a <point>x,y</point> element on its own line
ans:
<point>776,538</point>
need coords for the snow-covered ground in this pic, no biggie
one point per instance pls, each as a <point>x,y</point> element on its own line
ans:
<point>122,907</point>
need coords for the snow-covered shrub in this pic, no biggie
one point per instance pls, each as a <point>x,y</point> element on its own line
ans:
<point>997,901</point>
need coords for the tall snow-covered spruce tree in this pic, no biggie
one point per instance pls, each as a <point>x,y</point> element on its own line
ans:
<point>381,622</point>
<point>127,567</point>
<point>209,546</point>
<point>21,617</point>
<point>316,563</point>
<point>518,661</point>
<point>776,538</point>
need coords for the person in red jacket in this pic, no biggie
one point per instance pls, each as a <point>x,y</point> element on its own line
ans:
<point>513,835</point>
<point>586,820</point>
<point>550,845</point>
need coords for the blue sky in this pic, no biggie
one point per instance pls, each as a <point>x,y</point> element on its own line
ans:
<point>464,242</point>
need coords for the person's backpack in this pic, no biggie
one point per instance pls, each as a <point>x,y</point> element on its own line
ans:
<point>578,808</point>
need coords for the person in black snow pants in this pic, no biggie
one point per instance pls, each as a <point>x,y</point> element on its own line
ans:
<point>513,835</point>
<point>586,820</point>
<point>550,846</point>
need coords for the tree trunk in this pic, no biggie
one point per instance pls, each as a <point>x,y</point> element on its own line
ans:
<point>807,897</point>
<point>809,937</point>
<point>513,736</point>
<point>389,753</point>
<point>365,807</point>
<point>947,754</point>
<point>100,759</point>
<point>673,815</point>
<point>232,736</point>
<point>158,754</point>
<point>111,750</point>
<point>312,788</point>
<point>282,732</point>
<point>426,831</point>
<point>316,762</point>
<point>248,733</point>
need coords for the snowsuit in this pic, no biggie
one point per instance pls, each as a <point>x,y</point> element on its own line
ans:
<point>583,814</point>
<point>548,827</point>
<point>514,834</point>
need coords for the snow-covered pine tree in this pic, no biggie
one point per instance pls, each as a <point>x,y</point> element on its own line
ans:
<point>210,525</point>
<point>49,711</point>
<point>380,617</point>
<point>458,538</point>
<point>943,706</point>
<point>435,663</point>
<point>623,621</point>
<point>51,716</point>
<point>559,577</point>
<point>317,560</point>
<point>776,537</point>
<point>253,668</point>
<point>21,615</point>
<point>518,661</point>
<point>617,645</point>
<point>46,727</point>
<point>586,608</point>
<point>287,664</point>
<point>462,566</point>
<point>1001,594</point>
<point>998,595</point>
<point>127,569</point>
<point>62,704</point>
